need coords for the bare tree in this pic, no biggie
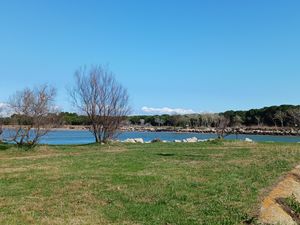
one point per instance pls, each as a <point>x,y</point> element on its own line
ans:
<point>98,95</point>
<point>159,121</point>
<point>237,121</point>
<point>281,116</point>
<point>33,114</point>
<point>258,120</point>
<point>222,126</point>
<point>236,124</point>
<point>142,122</point>
<point>294,114</point>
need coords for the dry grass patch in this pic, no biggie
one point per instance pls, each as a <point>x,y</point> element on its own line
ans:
<point>26,168</point>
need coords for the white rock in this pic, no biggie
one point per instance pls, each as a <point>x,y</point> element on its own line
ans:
<point>184,140</point>
<point>129,140</point>
<point>139,140</point>
<point>192,140</point>
<point>202,140</point>
<point>177,141</point>
<point>248,140</point>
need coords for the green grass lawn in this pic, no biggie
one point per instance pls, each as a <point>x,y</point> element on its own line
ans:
<point>159,183</point>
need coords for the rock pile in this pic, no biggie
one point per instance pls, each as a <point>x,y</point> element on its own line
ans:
<point>134,140</point>
<point>186,140</point>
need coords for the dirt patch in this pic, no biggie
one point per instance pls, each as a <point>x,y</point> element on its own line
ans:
<point>271,211</point>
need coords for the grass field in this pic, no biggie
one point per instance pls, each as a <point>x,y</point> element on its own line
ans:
<point>159,183</point>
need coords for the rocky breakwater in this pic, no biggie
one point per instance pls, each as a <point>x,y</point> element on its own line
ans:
<point>241,130</point>
<point>187,140</point>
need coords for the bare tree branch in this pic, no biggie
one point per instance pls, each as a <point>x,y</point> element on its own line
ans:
<point>98,95</point>
<point>222,125</point>
<point>34,114</point>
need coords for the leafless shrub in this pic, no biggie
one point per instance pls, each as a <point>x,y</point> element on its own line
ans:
<point>98,95</point>
<point>222,126</point>
<point>33,115</point>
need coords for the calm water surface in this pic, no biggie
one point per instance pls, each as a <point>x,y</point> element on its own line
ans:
<point>84,137</point>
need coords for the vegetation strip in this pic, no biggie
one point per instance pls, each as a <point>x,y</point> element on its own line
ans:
<point>287,208</point>
<point>296,177</point>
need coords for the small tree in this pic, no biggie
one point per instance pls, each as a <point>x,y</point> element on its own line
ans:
<point>33,115</point>
<point>236,123</point>
<point>258,119</point>
<point>222,125</point>
<point>142,122</point>
<point>281,116</point>
<point>294,114</point>
<point>98,95</point>
<point>205,120</point>
<point>159,121</point>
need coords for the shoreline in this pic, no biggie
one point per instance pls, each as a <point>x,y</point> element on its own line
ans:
<point>273,131</point>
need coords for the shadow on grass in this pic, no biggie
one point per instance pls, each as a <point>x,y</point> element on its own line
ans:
<point>166,154</point>
<point>4,147</point>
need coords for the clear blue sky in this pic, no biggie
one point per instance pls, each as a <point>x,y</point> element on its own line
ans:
<point>199,55</point>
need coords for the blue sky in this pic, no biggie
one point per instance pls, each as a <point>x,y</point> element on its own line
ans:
<point>192,55</point>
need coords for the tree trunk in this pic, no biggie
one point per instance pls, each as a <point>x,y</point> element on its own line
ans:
<point>97,139</point>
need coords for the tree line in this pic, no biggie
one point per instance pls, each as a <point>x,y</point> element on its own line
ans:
<point>274,116</point>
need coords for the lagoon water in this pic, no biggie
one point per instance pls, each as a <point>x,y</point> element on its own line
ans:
<point>85,137</point>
